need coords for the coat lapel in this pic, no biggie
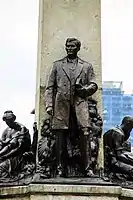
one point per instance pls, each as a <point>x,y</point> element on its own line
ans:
<point>79,68</point>
<point>77,71</point>
<point>65,68</point>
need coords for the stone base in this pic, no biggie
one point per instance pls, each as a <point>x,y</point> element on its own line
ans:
<point>65,192</point>
<point>72,181</point>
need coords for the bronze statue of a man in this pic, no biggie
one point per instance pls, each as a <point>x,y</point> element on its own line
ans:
<point>70,83</point>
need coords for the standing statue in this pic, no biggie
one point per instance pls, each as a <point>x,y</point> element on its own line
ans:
<point>70,83</point>
<point>16,156</point>
<point>118,155</point>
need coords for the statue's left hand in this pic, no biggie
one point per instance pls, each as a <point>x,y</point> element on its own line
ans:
<point>87,90</point>
<point>92,88</point>
<point>81,92</point>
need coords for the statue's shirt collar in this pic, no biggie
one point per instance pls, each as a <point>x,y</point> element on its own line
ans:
<point>74,61</point>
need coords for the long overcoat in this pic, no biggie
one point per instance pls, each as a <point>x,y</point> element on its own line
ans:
<point>59,91</point>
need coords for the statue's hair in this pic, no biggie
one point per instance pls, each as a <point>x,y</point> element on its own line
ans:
<point>9,115</point>
<point>127,120</point>
<point>76,41</point>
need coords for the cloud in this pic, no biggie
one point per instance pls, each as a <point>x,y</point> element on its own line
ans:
<point>117,41</point>
<point>18,50</point>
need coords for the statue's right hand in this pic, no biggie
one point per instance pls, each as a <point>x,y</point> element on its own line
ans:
<point>50,111</point>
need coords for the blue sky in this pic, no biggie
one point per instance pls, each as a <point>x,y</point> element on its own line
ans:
<point>18,50</point>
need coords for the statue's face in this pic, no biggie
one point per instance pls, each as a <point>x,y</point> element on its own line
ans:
<point>71,48</point>
<point>127,128</point>
<point>9,122</point>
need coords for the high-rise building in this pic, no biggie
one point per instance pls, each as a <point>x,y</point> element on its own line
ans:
<point>116,104</point>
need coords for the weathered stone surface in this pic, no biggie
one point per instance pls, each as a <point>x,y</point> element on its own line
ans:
<point>126,194</point>
<point>60,197</point>
<point>16,193</point>
<point>65,192</point>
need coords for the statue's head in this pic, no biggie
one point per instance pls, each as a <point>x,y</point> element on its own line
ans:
<point>9,117</point>
<point>72,46</point>
<point>127,123</point>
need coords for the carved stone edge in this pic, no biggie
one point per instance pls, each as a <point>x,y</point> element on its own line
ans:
<point>80,190</point>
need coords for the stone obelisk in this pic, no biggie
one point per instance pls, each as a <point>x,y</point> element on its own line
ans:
<point>59,20</point>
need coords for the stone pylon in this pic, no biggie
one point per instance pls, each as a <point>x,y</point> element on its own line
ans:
<point>58,20</point>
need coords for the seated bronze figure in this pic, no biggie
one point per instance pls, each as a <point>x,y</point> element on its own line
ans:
<point>16,156</point>
<point>117,151</point>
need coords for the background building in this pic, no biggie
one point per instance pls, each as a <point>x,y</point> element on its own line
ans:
<point>116,104</point>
